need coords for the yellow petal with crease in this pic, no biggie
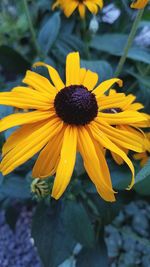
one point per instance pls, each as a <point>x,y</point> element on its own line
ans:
<point>93,166</point>
<point>90,80</point>
<point>47,162</point>
<point>24,118</point>
<point>104,141</point>
<point>29,146</point>
<point>106,85</point>
<point>66,163</point>
<point>39,83</point>
<point>58,83</point>
<point>73,69</point>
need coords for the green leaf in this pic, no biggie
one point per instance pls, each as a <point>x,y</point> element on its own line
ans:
<point>11,216</point>
<point>12,61</point>
<point>142,180</point>
<point>14,186</point>
<point>114,44</point>
<point>120,175</point>
<point>49,32</point>
<point>78,224</point>
<point>101,67</point>
<point>95,257</point>
<point>51,238</point>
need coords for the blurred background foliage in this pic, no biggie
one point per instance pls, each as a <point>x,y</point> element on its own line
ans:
<point>80,216</point>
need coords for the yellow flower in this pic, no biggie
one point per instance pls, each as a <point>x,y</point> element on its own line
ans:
<point>62,119</point>
<point>143,157</point>
<point>69,6</point>
<point>119,104</point>
<point>139,4</point>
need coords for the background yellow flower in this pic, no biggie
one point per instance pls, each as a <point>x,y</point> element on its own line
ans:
<point>69,6</point>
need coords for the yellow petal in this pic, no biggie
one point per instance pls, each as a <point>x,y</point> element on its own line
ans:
<point>106,85</point>
<point>66,163</point>
<point>25,98</point>
<point>93,166</point>
<point>73,69</point>
<point>104,141</point>
<point>81,9</point>
<point>122,138</point>
<point>92,7</point>
<point>90,80</point>
<point>82,75</point>
<point>125,117</point>
<point>139,4</point>
<point>49,157</point>
<point>70,8</point>
<point>30,145</point>
<point>58,83</point>
<point>39,83</point>
<point>24,118</point>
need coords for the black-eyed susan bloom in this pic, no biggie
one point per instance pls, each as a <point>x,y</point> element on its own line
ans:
<point>139,4</point>
<point>118,104</point>
<point>62,119</point>
<point>69,6</point>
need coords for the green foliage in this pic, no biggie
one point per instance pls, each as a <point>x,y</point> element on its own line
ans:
<point>52,239</point>
<point>142,180</point>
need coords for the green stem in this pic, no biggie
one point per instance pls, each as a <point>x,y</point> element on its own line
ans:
<point>129,42</point>
<point>33,35</point>
<point>85,38</point>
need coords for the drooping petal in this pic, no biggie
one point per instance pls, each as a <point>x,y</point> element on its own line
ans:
<point>24,118</point>
<point>93,166</point>
<point>104,86</point>
<point>108,144</point>
<point>73,69</point>
<point>30,145</point>
<point>122,138</point>
<point>39,83</point>
<point>57,81</point>
<point>66,163</point>
<point>48,159</point>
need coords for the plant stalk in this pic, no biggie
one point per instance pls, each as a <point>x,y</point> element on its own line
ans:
<point>31,27</point>
<point>129,42</point>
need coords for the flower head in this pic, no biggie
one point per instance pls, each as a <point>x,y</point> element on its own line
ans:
<point>139,4</point>
<point>63,118</point>
<point>69,6</point>
<point>125,104</point>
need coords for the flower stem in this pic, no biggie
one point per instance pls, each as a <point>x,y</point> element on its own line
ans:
<point>33,35</point>
<point>129,42</point>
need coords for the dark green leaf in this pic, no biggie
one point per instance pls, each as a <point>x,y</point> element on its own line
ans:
<point>95,257</point>
<point>142,180</point>
<point>49,32</point>
<point>12,61</point>
<point>114,44</point>
<point>52,239</point>
<point>78,224</point>
<point>14,187</point>
<point>11,215</point>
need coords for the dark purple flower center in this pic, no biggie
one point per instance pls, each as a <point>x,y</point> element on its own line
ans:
<point>76,105</point>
